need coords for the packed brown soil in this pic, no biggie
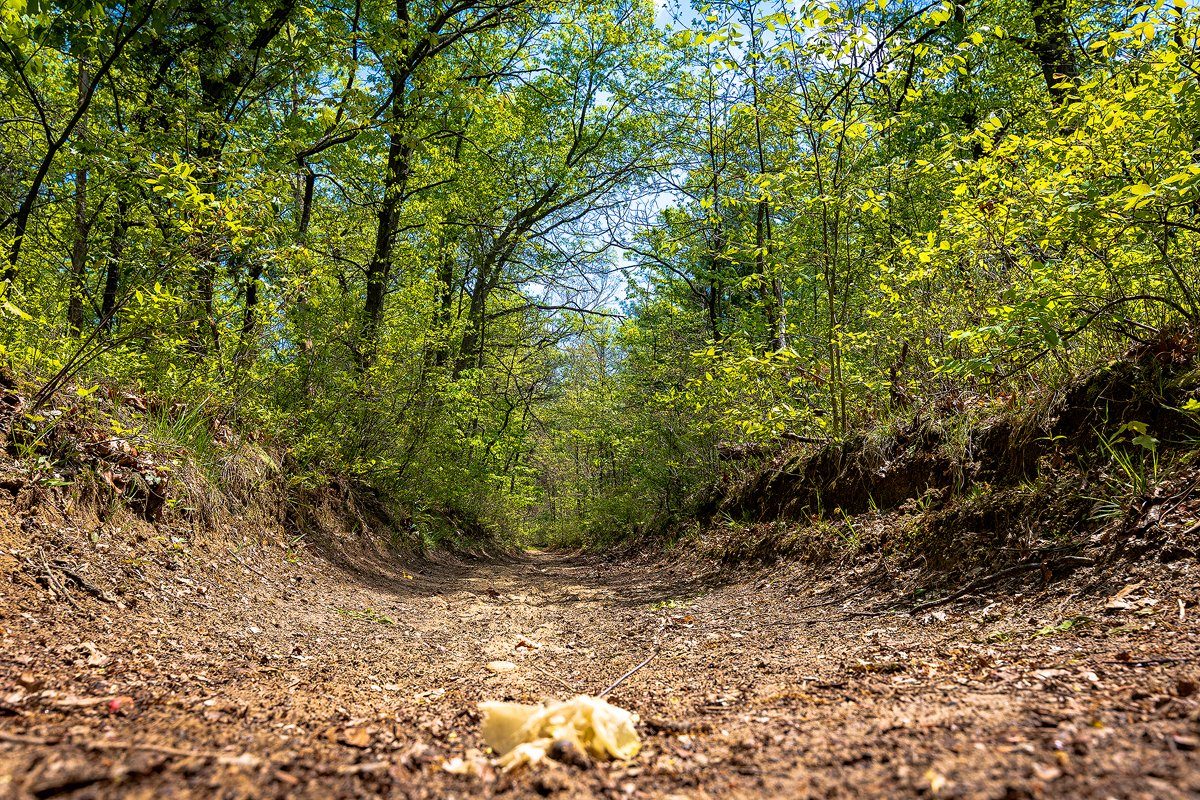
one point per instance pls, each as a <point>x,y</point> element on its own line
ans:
<point>347,671</point>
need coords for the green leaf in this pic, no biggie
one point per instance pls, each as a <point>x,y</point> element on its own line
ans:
<point>11,309</point>
<point>1146,441</point>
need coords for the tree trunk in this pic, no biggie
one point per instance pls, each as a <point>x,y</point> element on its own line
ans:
<point>776,314</point>
<point>204,309</point>
<point>472,338</point>
<point>387,219</point>
<point>79,246</point>
<point>112,277</point>
<point>1052,46</point>
<point>714,310</point>
<point>445,278</point>
<point>216,90</point>
<point>304,337</point>
<point>380,268</point>
<point>306,204</point>
<point>250,310</point>
<point>773,291</point>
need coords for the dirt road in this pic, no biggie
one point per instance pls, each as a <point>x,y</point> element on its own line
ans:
<point>352,674</point>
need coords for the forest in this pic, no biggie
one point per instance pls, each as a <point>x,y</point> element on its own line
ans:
<point>543,265</point>
<point>607,400</point>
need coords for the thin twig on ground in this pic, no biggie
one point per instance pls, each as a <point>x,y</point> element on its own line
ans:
<point>153,748</point>
<point>18,739</point>
<point>1074,561</point>
<point>94,745</point>
<point>620,680</point>
<point>90,588</point>
<point>834,601</point>
<point>249,568</point>
<point>56,586</point>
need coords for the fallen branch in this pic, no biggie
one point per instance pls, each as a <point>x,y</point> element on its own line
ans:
<point>249,568</point>
<point>1074,561</point>
<point>56,586</point>
<point>91,589</point>
<point>834,601</point>
<point>622,679</point>
<point>18,739</point>
<point>150,748</point>
<point>661,725</point>
<point>154,748</point>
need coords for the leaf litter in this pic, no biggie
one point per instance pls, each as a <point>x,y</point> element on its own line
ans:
<point>743,695</point>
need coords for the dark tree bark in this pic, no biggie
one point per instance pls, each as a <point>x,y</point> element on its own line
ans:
<point>250,309</point>
<point>445,309</point>
<point>1052,46</point>
<point>112,277</point>
<point>418,43</point>
<point>306,205</point>
<point>387,220</point>
<point>486,280</point>
<point>80,243</point>
<point>222,82</point>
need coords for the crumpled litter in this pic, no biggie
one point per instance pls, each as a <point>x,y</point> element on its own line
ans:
<point>523,734</point>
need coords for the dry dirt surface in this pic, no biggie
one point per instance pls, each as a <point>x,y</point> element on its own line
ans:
<point>158,668</point>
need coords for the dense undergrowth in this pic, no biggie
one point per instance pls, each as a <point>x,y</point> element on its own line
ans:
<point>119,458</point>
<point>544,271</point>
<point>1105,466</point>
<point>1108,467</point>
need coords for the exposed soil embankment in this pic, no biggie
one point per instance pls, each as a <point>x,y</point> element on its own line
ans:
<point>933,460</point>
<point>101,453</point>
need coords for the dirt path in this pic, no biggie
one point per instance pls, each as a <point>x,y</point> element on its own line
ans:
<point>353,675</point>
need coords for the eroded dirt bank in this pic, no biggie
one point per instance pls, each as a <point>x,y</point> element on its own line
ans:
<point>241,674</point>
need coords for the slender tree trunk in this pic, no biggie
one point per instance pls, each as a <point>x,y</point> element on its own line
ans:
<point>780,330</point>
<point>714,310</point>
<point>761,267</point>
<point>208,341</point>
<point>79,246</point>
<point>302,305</point>
<point>250,310</point>
<point>776,315</point>
<point>380,267</point>
<point>306,204</point>
<point>215,93</point>
<point>387,218</point>
<point>715,286</point>
<point>472,339</point>
<point>1053,48</point>
<point>228,61</point>
<point>445,309</point>
<point>112,276</point>
<point>717,247</point>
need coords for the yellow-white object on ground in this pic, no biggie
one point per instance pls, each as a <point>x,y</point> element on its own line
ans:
<point>522,734</point>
